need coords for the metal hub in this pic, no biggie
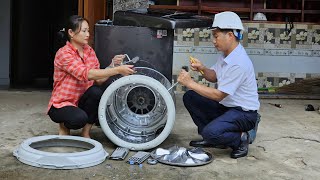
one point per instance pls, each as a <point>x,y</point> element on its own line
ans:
<point>135,118</point>
<point>141,100</point>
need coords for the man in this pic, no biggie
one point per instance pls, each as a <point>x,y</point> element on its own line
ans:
<point>224,115</point>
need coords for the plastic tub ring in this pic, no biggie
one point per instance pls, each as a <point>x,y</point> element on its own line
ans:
<point>28,152</point>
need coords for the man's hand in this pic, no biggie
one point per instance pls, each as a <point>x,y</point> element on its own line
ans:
<point>184,78</point>
<point>196,65</point>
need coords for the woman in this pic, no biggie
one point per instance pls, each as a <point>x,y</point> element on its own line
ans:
<point>77,75</point>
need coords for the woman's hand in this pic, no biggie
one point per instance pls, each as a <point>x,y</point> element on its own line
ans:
<point>117,60</point>
<point>125,69</point>
<point>104,74</point>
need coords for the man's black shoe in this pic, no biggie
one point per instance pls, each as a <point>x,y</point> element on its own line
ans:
<point>203,143</point>
<point>242,150</point>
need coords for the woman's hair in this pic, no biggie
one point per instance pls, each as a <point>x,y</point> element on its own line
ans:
<point>74,23</point>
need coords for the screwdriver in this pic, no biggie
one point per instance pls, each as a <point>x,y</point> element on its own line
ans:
<point>186,68</point>
<point>276,105</point>
<point>193,61</point>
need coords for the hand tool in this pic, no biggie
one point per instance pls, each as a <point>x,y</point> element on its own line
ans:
<point>193,61</point>
<point>133,60</point>
<point>186,68</point>
<point>121,62</point>
<point>127,56</point>
<point>276,105</point>
<point>173,86</point>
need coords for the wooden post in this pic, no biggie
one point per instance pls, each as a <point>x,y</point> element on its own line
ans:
<point>93,10</point>
<point>199,7</point>
<point>80,7</point>
<point>302,11</point>
<point>251,11</point>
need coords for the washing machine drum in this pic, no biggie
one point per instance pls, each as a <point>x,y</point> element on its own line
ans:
<point>138,111</point>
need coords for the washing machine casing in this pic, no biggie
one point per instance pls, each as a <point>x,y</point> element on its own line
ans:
<point>155,53</point>
<point>146,33</point>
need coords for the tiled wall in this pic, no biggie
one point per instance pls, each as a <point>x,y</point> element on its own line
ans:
<point>263,40</point>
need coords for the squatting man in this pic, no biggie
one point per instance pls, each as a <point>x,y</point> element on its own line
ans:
<point>224,114</point>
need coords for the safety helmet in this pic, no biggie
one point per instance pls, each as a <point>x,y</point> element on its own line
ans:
<point>229,20</point>
<point>259,17</point>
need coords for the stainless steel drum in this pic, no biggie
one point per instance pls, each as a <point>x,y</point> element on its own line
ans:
<point>137,111</point>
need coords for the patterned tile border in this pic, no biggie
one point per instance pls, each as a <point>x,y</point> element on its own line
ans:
<point>264,80</point>
<point>250,51</point>
<point>301,40</point>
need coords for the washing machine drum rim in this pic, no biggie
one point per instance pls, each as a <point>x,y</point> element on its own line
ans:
<point>137,111</point>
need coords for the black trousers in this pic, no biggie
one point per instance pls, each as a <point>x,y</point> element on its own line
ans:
<point>77,117</point>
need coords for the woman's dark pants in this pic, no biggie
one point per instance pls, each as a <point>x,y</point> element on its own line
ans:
<point>85,113</point>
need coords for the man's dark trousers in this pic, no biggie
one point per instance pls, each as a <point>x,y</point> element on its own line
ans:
<point>217,124</point>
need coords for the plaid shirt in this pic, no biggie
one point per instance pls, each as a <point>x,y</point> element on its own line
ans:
<point>71,75</point>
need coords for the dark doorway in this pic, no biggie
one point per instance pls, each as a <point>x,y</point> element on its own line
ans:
<point>35,24</point>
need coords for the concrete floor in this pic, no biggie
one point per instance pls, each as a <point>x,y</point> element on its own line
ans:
<point>287,144</point>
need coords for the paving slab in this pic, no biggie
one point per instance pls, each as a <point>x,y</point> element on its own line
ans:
<point>287,144</point>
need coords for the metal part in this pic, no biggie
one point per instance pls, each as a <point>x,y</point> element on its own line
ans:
<point>30,152</point>
<point>180,156</point>
<point>127,57</point>
<point>138,111</point>
<point>119,153</point>
<point>173,86</point>
<point>139,157</point>
<point>186,68</point>
<point>133,60</point>
<point>152,161</point>
<point>276,105</point>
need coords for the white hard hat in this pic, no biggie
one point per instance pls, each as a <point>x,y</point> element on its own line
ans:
<point>227,20</point>
<point>260,17</point>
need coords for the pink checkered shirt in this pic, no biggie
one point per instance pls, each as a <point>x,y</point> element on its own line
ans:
<point>71,75</point>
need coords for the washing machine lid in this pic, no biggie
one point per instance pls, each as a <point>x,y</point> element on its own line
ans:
<point>165,19</point>
<point>29,152</point>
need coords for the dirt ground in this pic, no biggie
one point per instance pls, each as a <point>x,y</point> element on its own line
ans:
<point>287,145</point>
